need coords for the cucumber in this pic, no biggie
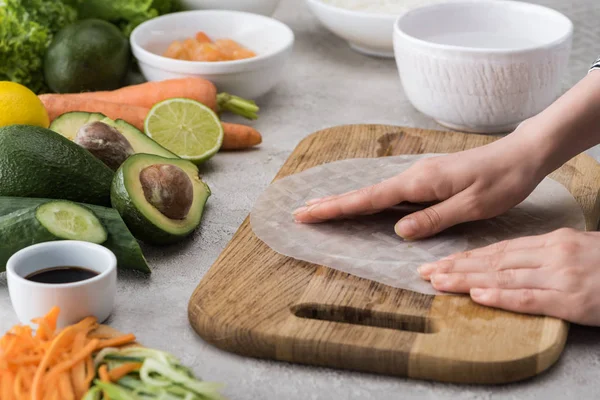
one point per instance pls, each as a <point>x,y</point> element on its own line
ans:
<point>120,240</point>
<point>53,220</point>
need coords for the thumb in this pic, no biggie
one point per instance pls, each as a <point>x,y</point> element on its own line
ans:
<point>433,220</point>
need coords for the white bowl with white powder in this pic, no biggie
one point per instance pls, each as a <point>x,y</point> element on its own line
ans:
<point>482,66</point>
<point>367,25</point>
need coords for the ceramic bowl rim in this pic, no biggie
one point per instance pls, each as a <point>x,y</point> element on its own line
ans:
<point>170,64</point>
<point>53,246</point>
<point>354,13</point>
<point>399,32</point>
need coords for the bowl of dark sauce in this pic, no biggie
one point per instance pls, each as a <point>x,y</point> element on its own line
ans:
<point>78,277</point>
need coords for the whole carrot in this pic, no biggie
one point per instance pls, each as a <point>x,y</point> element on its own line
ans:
<point>237,137</point>
<point>149,93</point>
<point>58,104</point>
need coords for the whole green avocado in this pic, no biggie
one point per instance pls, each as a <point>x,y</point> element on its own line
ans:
<point>89,55</point>
<point>37,162</point>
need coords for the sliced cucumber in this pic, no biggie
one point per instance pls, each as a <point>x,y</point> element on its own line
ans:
<point>69,123</point>
<point>54,220</point>
<point>120,240</point>
<point>68,220</point>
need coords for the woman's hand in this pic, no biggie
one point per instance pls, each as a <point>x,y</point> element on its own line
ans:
<point>471,185</point>
<point>556,274</point>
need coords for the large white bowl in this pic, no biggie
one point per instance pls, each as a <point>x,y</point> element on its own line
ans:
<point>482,66</point>
<point>250,78</point>
<point>263,7</point>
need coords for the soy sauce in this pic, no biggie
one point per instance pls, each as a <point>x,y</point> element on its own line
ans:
<point>61,275</point>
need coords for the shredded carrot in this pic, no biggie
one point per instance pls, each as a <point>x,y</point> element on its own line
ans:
<point>65,387</point>
<point>118,341</point>
<point>54,365</point>
<point>117,373</point>
<point>104,377</point>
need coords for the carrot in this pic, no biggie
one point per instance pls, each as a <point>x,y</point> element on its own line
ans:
<point>147,94</point>
<point>66,335</point>
<point>7,383</point>
<point>115,342</point>
<point>239,136</point>
<point>104,377</point>
<point>65,388</point>
<point>202,37</point>
<point>117,373</point>
<point>58,104</point>
<point>73,359</point>
<point>78,370</point>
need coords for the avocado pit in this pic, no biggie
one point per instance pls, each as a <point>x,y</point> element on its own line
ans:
<point>105,143</point>
<point>168,189</point>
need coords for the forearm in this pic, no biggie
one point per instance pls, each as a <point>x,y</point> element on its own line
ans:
<point>568,127</point>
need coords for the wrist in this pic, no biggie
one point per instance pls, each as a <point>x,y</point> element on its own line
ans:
<point>534,148</point>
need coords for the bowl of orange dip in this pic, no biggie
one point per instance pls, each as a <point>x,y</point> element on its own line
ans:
<point>242,53</point>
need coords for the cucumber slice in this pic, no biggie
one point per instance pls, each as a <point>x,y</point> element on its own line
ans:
<point>70,221</point>
<point>53,220</point>
<point>120,240</point>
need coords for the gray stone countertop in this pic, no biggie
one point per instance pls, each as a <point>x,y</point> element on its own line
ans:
<point>327,84</point>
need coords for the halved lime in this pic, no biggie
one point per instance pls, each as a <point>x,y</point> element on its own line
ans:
<point>186,127</point>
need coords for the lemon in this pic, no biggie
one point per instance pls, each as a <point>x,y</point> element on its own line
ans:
<point>19,105</point>
<point>186,127</point>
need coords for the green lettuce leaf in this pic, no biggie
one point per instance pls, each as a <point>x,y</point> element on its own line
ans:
<point>26,29</point>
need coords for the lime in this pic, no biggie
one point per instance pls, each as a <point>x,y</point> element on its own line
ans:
<point>186,127</point>
<point>19,105</point>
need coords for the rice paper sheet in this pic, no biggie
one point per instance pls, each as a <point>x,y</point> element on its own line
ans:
<point>368,246</point>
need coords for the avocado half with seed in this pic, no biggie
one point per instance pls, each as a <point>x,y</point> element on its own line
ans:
<point>160,199</point>
<point>109,141</point>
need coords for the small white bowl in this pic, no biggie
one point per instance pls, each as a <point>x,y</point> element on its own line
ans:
<point>250,78</point>
<point>262,7</point>
<point>482,66</point>
<point>91,297</point>
<point>367,33</point>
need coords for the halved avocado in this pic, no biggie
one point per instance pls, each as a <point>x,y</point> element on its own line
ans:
<point>161,200</point>
<point>69,125</point>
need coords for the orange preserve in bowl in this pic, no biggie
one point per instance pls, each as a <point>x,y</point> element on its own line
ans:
<point>203,48</point>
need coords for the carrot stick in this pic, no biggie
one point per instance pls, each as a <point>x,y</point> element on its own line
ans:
<point>65,388</point>
<point>7,383</point>
<point>147,94</point>
<point>73,360</point>
<point>237,137</point>
<point>104,377</point>
<point>117,373</point>
<point>116,342</point>
<point>66,335</point>
<point>78,371</point>
<point>58,104</point>
<point>90,372</point>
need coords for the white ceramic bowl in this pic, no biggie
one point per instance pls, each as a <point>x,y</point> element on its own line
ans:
<point>482,66</point>
<point>263,7</point>
<point>249,78</point>
<point>91,297</point>
<point>367,32</point>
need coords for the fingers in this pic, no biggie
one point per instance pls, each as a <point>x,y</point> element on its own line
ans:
<point>504,279</point>
<point>528,242</point>
<point>528,301</point>
<point>487,263</point>
<point>434,219</point>
<point>364,201</point>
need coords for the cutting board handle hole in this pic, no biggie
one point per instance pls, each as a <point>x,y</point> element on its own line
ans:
<point>357,316</point>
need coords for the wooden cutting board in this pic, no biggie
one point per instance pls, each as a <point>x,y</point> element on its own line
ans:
<point>258,303</point>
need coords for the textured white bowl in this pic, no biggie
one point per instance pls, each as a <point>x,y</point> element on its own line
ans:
<point>250,78</point>
<point>482,66</point>
<point>263,7</point>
